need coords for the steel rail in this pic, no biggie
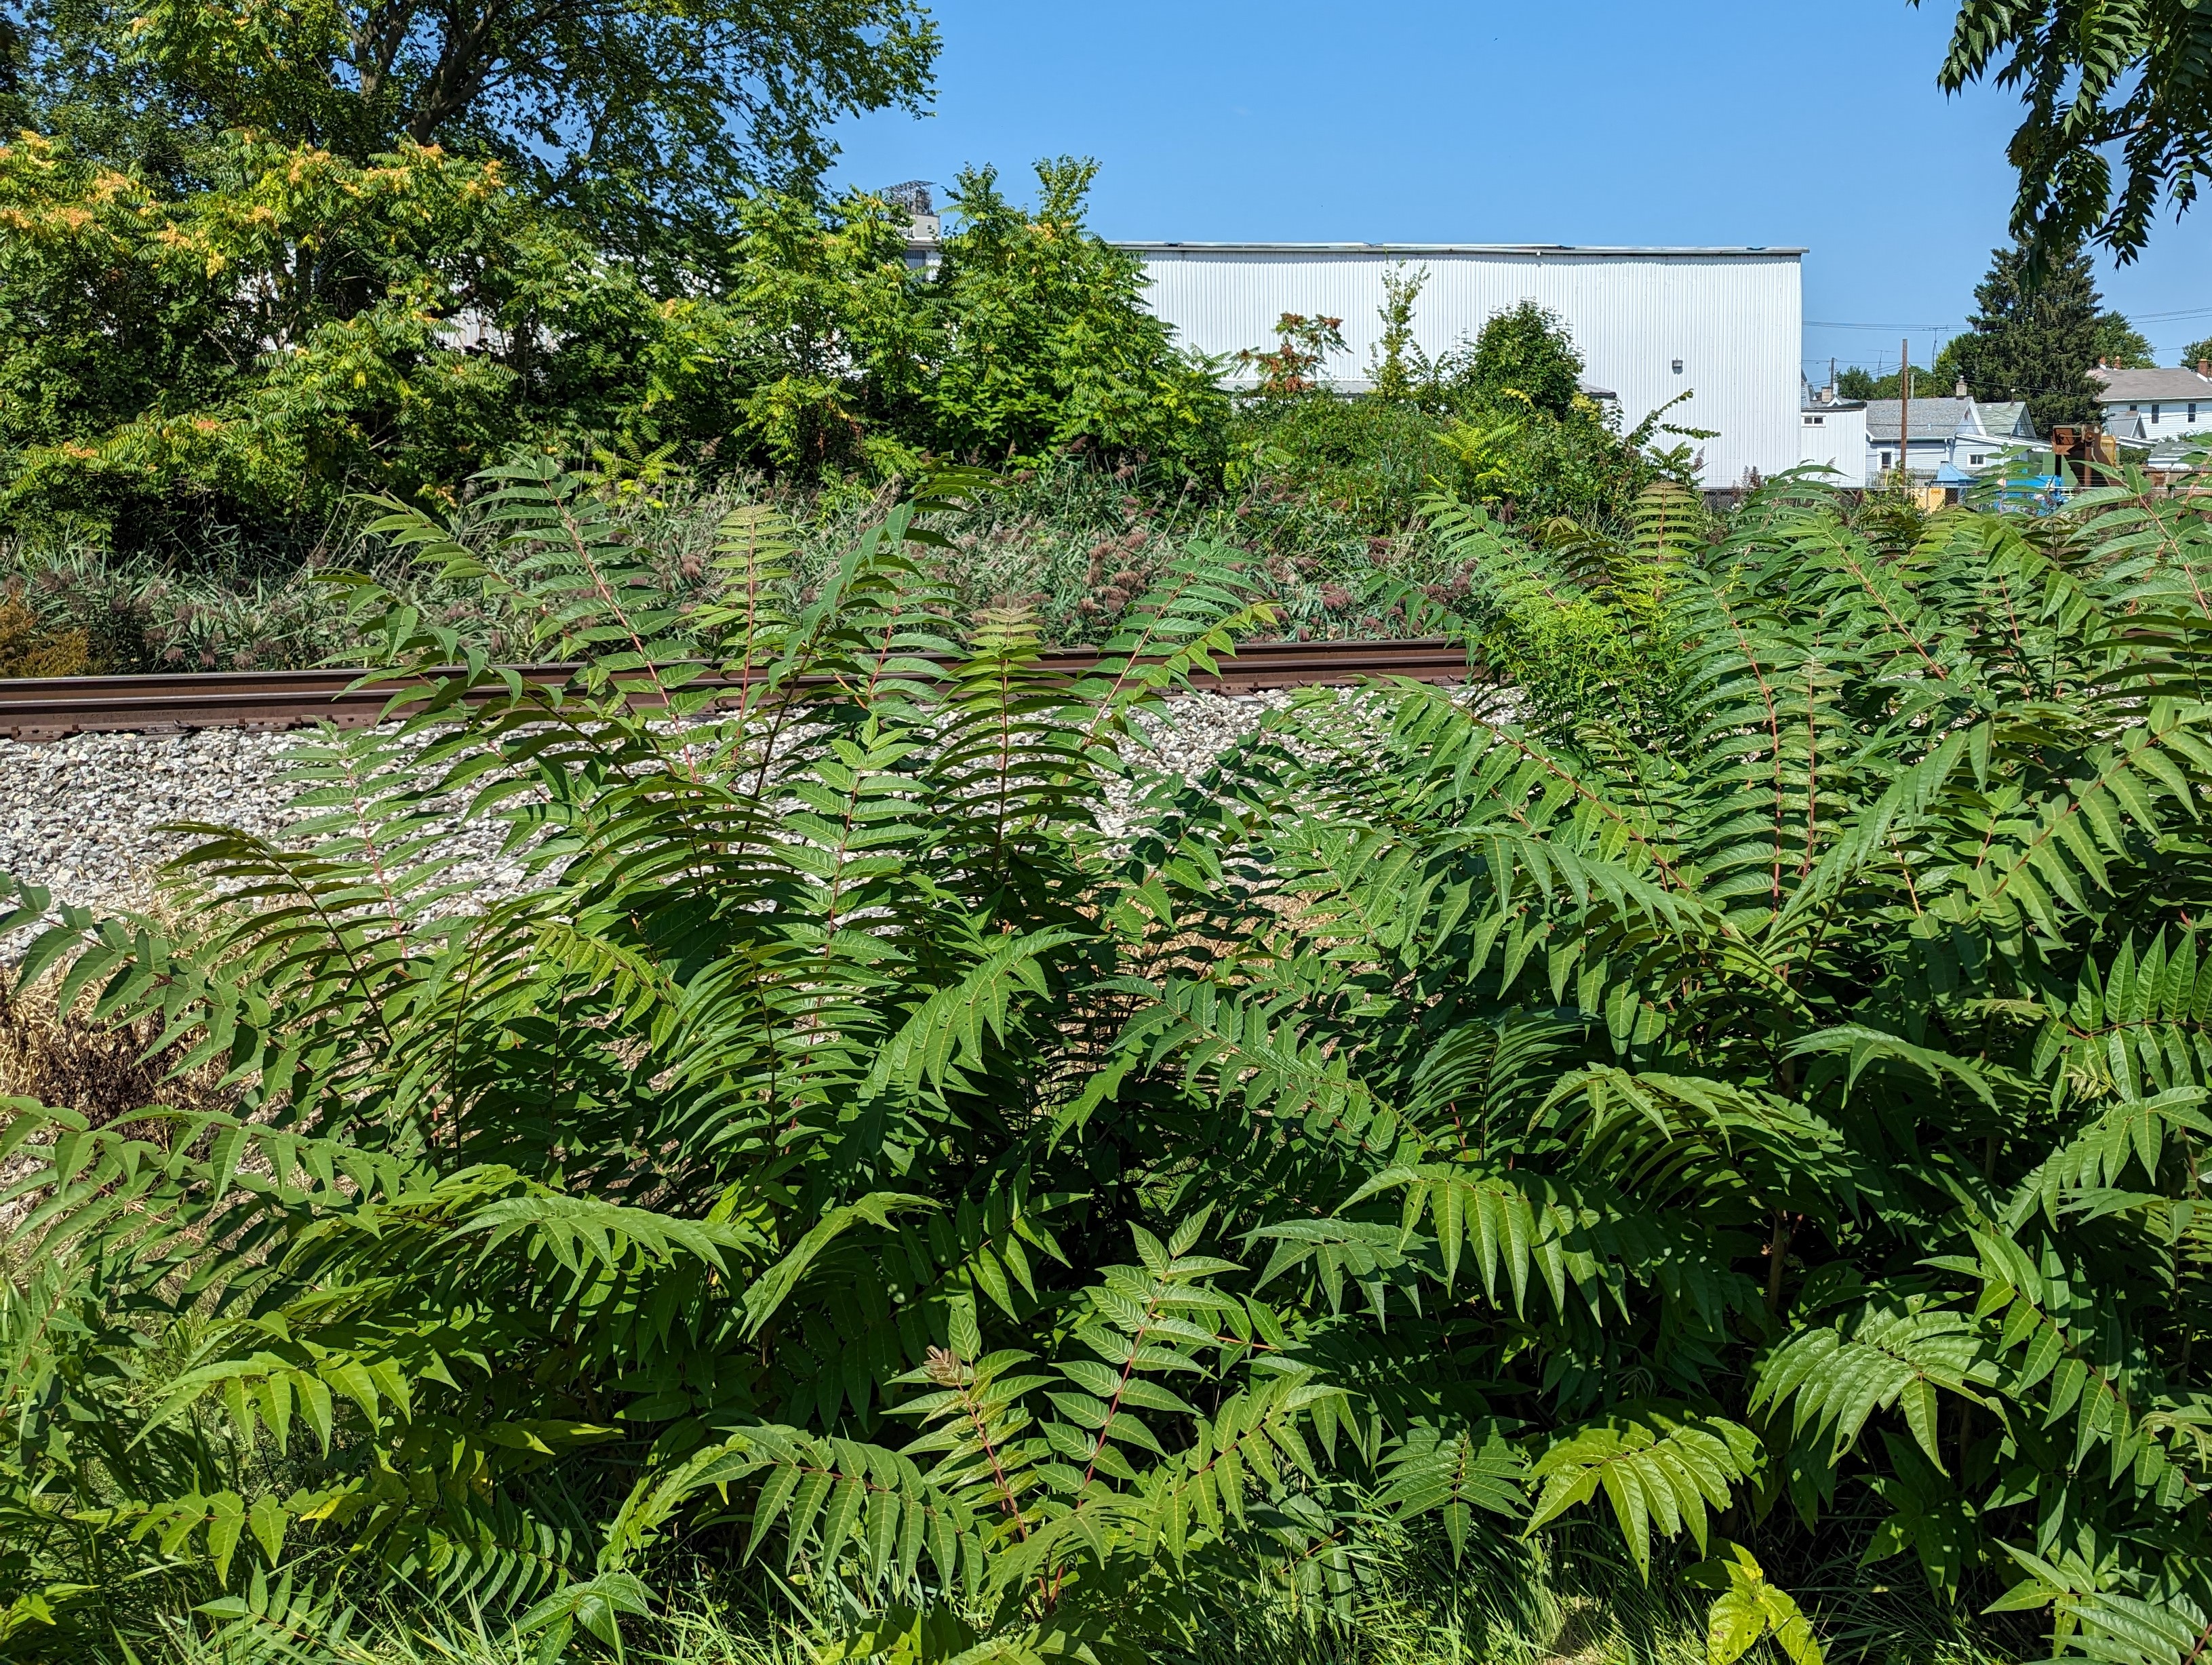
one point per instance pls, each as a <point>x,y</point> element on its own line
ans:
<point>38,708</point>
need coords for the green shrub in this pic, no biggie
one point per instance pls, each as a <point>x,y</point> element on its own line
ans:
<point>1523,355</point>
<point>175,370</point>
<point>1041,339</point>
<point>1499,421</point>
<point>958,1185</point>
<point>1371,460</point>
<point>1588,627</point>
<point>158,350</point>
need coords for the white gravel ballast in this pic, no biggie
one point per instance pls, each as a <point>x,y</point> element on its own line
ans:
<point>82,816</point>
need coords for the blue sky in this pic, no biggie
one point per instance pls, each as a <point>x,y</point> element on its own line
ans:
<point>1811,122</point>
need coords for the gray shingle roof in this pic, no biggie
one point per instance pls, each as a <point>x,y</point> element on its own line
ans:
<point>1942,419</point>
<point>2141,386</point>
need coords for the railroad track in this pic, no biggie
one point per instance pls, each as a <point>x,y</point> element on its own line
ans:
<point>35,708</point>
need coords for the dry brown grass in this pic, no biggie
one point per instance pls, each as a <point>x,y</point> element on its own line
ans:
<point>105,1070</point>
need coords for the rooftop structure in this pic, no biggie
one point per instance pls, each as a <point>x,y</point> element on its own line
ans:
<point>1832,437</point>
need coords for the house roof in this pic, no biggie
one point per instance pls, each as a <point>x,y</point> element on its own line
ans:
<point>1949,419</point>
<point>2141,386</point>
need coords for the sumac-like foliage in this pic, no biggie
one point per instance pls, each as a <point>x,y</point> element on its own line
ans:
<point>907,1148</point>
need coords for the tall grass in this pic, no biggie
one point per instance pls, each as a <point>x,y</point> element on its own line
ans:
<point>1074,542</point>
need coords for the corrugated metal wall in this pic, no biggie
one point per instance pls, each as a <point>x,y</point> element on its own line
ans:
<point>1835,438</point>
<point>1731,319</point>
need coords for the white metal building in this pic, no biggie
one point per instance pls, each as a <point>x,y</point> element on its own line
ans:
<point>1723,324</point>
<point>1834,439</point>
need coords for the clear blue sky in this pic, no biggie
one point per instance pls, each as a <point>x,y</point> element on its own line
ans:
<point>1811,122</point>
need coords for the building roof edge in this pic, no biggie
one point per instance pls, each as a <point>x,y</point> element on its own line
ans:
<point>1579,249</point>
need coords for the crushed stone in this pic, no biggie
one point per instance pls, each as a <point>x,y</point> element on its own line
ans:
<point>91,818</point>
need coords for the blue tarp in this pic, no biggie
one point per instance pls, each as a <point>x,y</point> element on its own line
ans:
<point>2036,493</point>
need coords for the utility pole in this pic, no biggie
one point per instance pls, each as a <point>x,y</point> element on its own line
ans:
<point>1905,411</point>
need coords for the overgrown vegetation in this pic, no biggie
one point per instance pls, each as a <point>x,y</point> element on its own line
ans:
<point>916,1176</point>
<point>1321,495</point>
<point>240,354</point>
<point>255,266</point>
<point>1501,419</point>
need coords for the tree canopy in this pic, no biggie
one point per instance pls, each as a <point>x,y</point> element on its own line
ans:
<point>637,115</point>
<point>2123,346</point>
<point>2127,84</point>
<point>2037,344</point>
<point>1526,350</point>
<point>297,326</point>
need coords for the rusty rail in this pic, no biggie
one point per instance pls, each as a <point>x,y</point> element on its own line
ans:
<point>35,708</point>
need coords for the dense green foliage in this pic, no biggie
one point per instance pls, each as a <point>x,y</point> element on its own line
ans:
<point>244,353</point>
<point>2123,346</point>
<point>2131,84</point>
<point>256,261</point>
<point>2039,341</point>
<point>178,495</point>
<point>137,369</point>
<point>1500,420</point>
<point>1523,354</point>
<point>956,1183</point>
<point>637,124</point>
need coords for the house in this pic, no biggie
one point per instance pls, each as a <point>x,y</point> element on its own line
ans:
<point>2151,410</point>
<point>1959,432</point>
<point>1832,437</point>
<point>1722,325</point>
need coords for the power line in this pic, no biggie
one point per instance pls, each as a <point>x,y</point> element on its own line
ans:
<point>1909,329</point>
<point>1915,328</point>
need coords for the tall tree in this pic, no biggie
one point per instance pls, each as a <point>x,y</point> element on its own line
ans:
<point>1528,351</point>
<point>2037,344</point>
<point>11,62</point>
<point>639,115</point>
<point>2096,80</point>
<point>2123,346</point>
